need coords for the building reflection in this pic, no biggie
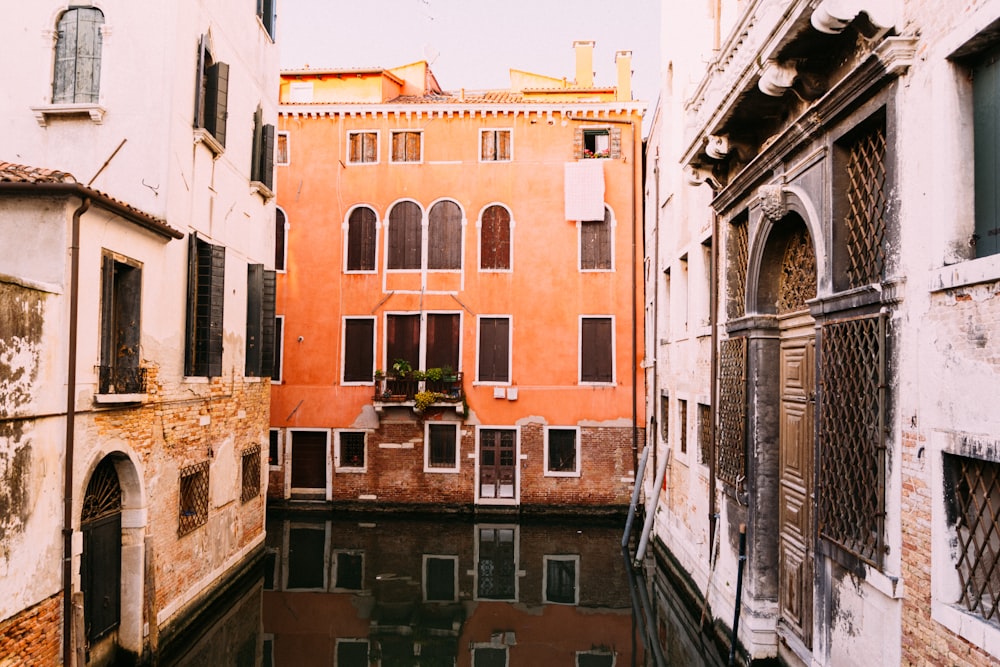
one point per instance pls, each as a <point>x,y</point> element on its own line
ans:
<point>395,592</point>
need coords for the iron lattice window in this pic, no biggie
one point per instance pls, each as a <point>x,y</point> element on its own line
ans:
<point>731,450</point>
<point>704,433</point>
<point>797,283</point>
<point>562,450</point>
<point>866,199</point>
<point>738,251</point>
<point>104,492</point>
<point>352,449</point>
<point>250,482</point>
<point>851,436</point>
<point>193,498</point>
<point>973,492</point>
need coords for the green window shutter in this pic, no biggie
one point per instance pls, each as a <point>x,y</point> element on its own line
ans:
<point>269,326</point>
<point>267,157</point>
<point>217,299</point>
<point>216,100</point>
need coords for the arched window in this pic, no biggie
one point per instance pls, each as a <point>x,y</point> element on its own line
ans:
<point>444,236</point>
<point>361,239</point>
<point>405,232</point>
<point>77,75</point>
<point>494,238</point>
<point>595,243</point>
<point>280,237</point>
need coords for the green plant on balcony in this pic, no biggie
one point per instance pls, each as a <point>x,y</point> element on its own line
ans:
<point>401,368</point>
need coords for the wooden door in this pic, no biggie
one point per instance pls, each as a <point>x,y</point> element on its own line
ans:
<point>497,472</point>
<point>795,493</point>
<point>309,459</point>
<point>100,574</point>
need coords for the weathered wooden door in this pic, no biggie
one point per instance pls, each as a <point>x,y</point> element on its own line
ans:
<point>497,472</point>
<point>100,562</point>
<point>309,459</point>
<point>795,494</point>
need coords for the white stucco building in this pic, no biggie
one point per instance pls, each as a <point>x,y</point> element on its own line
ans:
<point>136,318</point>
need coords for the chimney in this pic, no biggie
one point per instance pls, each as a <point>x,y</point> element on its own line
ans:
<point>623,60</point>
<point>584,63</point>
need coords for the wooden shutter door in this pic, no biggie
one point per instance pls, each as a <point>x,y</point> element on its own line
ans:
<point>495,251</point>
<point>361,240</point>
<point>595,350</point>
<point>403,339</point>
<point>494,337</point>
<point>443,340</point>
<point>405,236</point>
<point>359,356</point>
<point>503,145</point>
<point>444,246</point>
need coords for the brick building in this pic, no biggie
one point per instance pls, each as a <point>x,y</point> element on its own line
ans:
<point>458,327</point>
<point>136,292</point>
<point>831,178</point>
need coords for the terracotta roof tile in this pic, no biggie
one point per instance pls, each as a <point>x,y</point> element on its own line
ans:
<point>19,173</point>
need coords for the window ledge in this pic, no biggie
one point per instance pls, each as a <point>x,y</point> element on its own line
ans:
<point>203,136</point>
<point>256,187</point>
<point>114,399</point>
<point>46,112</point>
<point>981,270</point>
<point>974,630</point>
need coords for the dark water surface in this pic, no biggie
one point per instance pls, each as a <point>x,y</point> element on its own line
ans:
<point>375,590</point>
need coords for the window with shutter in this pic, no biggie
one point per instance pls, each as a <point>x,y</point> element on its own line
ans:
<point>402,339</point>
<point>262,164</point>
<point>362,147</point>
<point>494,252</point>
<point>121,283</point>
<point>359,349</point>
<point>267,13</point>
<point>280,237</point>
<point>986,128</point>
<point>443,333</point>
<point>283,157</point>
<point>260,321</point>
<point>596,350</point>
<point>595,244</point>
<point>405,236</point>
<point>211,96</point>
<point>79,40</point>
<point>406,146</point>
<point>562,451</point>
<point>444,236</point>
<point>494,349</point>
<point>495,145</point>
<point>361,239</point>
<point>205,301</point>
<point>441,447</point>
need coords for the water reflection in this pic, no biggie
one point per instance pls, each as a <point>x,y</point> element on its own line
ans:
<point>446,593</point>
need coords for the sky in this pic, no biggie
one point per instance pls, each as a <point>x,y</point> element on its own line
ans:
<point>473,44</point>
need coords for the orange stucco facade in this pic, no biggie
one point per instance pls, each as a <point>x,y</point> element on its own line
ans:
<point>435,225</point>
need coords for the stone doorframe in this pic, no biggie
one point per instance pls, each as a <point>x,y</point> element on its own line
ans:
<point>134,521</point>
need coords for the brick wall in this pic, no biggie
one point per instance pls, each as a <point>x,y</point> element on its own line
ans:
<point>34,636</point>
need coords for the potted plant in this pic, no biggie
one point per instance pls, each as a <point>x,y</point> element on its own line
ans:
<point>423,400</point>
<point>448,374</point>
<point>402,368</point>
<point>434,374</point>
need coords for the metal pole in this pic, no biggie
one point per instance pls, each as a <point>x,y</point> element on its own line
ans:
<point>661,472</point>
<point>635,495</point>
<point>739,595</point>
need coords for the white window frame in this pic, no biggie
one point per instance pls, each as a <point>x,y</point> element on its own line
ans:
<point>281,447</point>
<point>552,473</point>
<point>346,228</point>
<point>393,133</point>
<point>277,150</point>
<point>423,569</point>
<point>279,352</point>
<point>483,131</point>
<point>612,232</point>
<point>378,148</point>
<point>289,436</point>
<point>479,239</point>
<point>569,558</point>
<point>597,130</point>
<point>510,350</point>
<point>387,363</point>
<point>427,447</point>
<point>579,350</point>
<point>333,569</point>
<point>338,466</point>
<point>343,350</point>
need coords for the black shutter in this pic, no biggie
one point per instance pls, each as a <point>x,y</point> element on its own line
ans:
<point>216,100</point>
<point>255,322</point>
<point>191,328</point>
<point>217,301</point>
<point>442,340</point>
<point>128,299</point>
<point>199,83</point>
<point>359,356</point>
<point>107,303</point>
<point>279,239</point>
<point>257,147</point>
<point>279,323</point>
<point>269,325</point>
<point>267,157</point>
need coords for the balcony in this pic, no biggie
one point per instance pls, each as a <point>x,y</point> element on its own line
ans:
<point>419,390</point>
<point>121,384</point>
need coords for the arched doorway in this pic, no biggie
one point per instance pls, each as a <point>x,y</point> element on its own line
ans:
<point>788,280</point>
<point>100,563</point>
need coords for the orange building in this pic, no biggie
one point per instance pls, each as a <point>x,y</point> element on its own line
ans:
<point>457,306</point>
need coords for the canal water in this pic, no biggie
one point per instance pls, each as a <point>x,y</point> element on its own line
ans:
<point>378,590</point>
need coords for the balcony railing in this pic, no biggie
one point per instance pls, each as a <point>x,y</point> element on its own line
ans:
<point>394,388</point>
<point>116,380</point>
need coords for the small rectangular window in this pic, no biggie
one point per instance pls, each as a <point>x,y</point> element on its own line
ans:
<point>266,12</point>
<point>441,578</point>
<point>250,474</point>
<point>442,447</point>
<point>596,143</point>
<point>274,448</point>
<point>494,349</point>
<point>351,450</point>
<point>562,451</point>
<point>596,350</point>
<point>193,497</point>
<point>205,300</point>
<point>262,159</point>
<point>283,156</point>
<point>495,145</point>
<point>682,415</point>
<point>561,575</point>
<point>407,146</point>
<point>352,653</point>
<point>300,92</point>
<point>489,657</point>
<point>121,290</point>
<point>349,570</point>
<point>362,147</point>
<point>595,659</point>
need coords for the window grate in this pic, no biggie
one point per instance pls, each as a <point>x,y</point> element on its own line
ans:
<point>352,449</point>
<point>974,487</point>
<point>866,197</point>
<point>732,411</point>
<point>193,498</point>
<point>704,433</point>
<point>851,436</point>
<point>104,492</point>
<point>250,483</point>
<point>797,283</point>
<point>739,241</point>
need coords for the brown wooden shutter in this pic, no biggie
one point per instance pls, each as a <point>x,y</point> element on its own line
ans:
<point>487,151</point>
<point>216,100</point>
<point>355,147</point>
<point>398,146</point>
<point>412,146</point>
<point>494,340</point>
<point>405,236</point>
<point>361,240</point>
<point>444,236</point>
<point>443,333</point>
<point>495,238</point>
<point>279,239</point>
<point>359,356</point>
<point>595,349</point>
<point>403,339</point>
<point>107,305</point>
<point>370,147</point>
<point>595,243</point>
<point>503,145</point>
<point>199,88</point>
<point>267,157</point>
<point>308,459</point>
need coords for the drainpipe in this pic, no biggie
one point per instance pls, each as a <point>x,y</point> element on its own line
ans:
<point>74,300</point>
<point>713,307</point>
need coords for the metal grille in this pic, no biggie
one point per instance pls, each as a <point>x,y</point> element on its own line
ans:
<point>732,411</point>
<point>738,258</point>
<point>704,433</point>
<point>104,492</point>
<point>866,197</point>
<point>250,483</point>
<point>352,449</point>
<point>193,498</point>
<point>115,380</point>
<point>975,498</point>
<point>851,436</point>
<point>798,274</point>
